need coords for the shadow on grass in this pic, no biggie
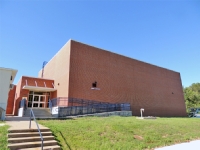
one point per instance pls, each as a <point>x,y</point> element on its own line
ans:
<point>65,141</point>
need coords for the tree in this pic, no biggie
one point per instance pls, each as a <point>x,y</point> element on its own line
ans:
<point>192,96</point>
<point>196,87</point>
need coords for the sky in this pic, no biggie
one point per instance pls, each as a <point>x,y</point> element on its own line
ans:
<point>163,33</point>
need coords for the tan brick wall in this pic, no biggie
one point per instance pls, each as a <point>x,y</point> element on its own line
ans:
<point>122,79</point>
<point>58,70</point>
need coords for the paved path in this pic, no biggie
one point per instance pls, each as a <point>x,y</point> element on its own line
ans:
<point>2,124</point>
<point>183,146</point>
<point>21,123</point>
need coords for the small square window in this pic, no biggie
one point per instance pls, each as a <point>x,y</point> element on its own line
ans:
<point>94,85</point>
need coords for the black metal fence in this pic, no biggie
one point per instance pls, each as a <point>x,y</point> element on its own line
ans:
<point>75,106</point>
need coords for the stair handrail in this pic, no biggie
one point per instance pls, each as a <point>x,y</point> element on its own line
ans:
<point>32,114</point>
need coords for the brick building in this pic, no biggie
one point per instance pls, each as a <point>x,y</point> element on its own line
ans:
<point>37,91</point>
<point>82,71</point>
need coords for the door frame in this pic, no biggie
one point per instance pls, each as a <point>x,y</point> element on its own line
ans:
<point>39,101</point>
<point>44,102</point>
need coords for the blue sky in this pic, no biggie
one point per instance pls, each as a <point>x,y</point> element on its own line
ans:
<point>163,33</point>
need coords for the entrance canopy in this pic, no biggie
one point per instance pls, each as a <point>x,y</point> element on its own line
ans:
<point>37,88</point>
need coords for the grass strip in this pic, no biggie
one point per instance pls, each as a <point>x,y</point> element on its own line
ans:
<point>122,132</point>
<point>3,136</point>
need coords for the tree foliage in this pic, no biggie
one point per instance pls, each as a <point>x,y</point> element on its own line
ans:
<point>192,96</point>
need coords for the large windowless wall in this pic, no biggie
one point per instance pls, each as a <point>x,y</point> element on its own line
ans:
<point>58,70</point>
<point>122,79</point>
<point>77,68</point>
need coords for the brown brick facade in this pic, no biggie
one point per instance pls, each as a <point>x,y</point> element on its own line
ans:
<point>10,103</point>
<point>122,79</point>
<point>20,92</point>
<point>119,79</point>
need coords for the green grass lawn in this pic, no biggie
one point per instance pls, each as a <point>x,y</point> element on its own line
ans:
<point>122,132</point>
<point>3,136</point>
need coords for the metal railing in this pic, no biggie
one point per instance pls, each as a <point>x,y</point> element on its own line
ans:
<point>32,114</point>
<point>68,101</point>
<point>75,106</point>
<point>38,104</point>
<point>82,110</point>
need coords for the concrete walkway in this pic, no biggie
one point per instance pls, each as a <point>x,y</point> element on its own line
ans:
<point>21,123</point>
<point>183,146</point>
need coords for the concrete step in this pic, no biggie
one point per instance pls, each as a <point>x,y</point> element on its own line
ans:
<point>16,118</point>
<point>29,139</point>
<point>9,115</point>
<point>41,115</point>
<point>28,134</point>
<point>27,130</point>
<point>16,146</point>
<point>38,112</point>
<point>20,137</point>
<point>53,147</point>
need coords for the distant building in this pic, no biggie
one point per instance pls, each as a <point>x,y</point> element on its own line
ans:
<point>86,72</point>
<point>7,77</point>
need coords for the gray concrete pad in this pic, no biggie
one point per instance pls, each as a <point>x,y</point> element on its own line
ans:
<point>16,118</point>
<point>183,146</point>
<point>17,123</point>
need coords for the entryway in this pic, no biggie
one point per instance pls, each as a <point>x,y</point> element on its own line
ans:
<point>38,99</point>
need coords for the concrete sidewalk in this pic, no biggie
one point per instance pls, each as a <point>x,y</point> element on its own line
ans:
<point>21,123</point>
<point>182,146</point>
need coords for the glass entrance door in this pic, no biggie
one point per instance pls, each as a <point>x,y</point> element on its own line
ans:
<point>42,101</point>
<point>37,100</point>
<point>30,100</point>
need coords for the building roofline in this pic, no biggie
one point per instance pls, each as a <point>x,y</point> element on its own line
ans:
<point>36,77</point>
<point>32,77</point>
<point>13,74</point>
<point>125,56</point>
<point>71,40</point>
<point>57,52</point>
